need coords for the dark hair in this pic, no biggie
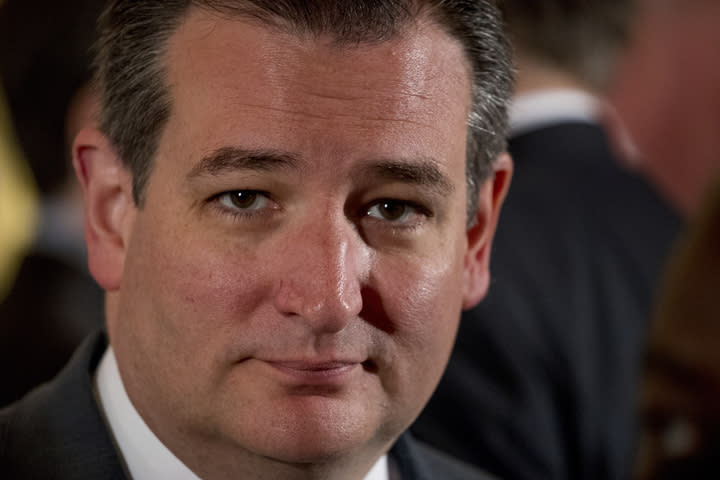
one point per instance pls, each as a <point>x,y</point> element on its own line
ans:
<point>681,384</point>
<point>134,34</point>
<point>582,37</point>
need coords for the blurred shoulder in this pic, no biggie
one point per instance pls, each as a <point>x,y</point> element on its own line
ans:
<point>418,461</point>
<point>442,465</point>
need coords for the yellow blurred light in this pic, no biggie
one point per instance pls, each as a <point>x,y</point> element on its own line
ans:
<point>18,203</point>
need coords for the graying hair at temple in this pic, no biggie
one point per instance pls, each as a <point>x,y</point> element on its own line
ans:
<point>134,34</point>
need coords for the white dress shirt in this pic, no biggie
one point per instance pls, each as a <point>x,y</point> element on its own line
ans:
<point>547,107</point>
<point>145,456</point>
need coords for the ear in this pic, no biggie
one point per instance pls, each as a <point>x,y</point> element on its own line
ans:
<point>477,258</point>
<point>109,207</point>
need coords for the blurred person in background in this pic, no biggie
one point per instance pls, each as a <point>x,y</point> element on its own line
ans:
<point>680,396</point>
<point>54,303</point>
<point>542,382</point>
<point>667,94</point>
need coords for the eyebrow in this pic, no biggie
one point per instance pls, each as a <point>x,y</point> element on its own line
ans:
<point>423,172</point>
<point>228,159</point>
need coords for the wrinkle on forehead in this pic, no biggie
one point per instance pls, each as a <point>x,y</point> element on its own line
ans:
<point>399,81</point>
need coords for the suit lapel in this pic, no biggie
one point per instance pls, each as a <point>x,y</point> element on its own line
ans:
<point>59,427</point>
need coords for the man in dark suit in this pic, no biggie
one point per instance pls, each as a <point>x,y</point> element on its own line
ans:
<point>674,122</point>
<point>58,432</point>
<point>288,204</point>
<point>542,382</point>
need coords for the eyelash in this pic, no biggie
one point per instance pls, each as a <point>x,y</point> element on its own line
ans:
<point>417,208</point>
<point>239,214</point>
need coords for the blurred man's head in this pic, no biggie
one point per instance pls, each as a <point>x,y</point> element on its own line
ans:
<point>581,38</point>
<point>279,214</point>
<point>667,94</point>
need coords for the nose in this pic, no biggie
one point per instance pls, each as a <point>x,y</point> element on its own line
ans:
<point>325,264</point>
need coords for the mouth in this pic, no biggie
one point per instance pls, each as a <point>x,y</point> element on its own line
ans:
<point>317,374</point>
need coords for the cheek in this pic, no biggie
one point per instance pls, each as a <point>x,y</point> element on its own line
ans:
<point>210,281</point>
<point>427,294</point>
<point>199,284</point>
<point>424,303</point>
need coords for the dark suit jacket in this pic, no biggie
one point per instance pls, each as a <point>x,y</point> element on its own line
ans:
<point>58,432</point>
<point>542,382</point>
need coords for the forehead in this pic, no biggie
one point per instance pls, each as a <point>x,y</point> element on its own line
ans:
<point>236,73</point>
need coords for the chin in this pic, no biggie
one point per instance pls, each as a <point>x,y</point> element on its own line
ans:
<point>319,433</point>
<point>308,449</point>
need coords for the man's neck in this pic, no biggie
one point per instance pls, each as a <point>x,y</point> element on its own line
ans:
<point>534,75</point>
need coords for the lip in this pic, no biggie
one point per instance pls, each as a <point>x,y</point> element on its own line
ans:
<point>316,373</point>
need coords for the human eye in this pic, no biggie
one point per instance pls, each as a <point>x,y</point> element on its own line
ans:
<point>398,213</point>
<point>243,203</point>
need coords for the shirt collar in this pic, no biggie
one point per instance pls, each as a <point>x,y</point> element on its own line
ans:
<point>146,457</point>
<point>543,108</point>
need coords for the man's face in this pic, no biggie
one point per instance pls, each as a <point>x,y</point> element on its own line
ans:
<point>668,97</point>
<point>293,282</point>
